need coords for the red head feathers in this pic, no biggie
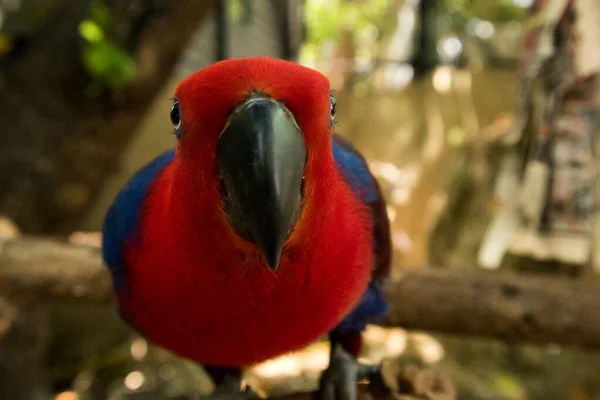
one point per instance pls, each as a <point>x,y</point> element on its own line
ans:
<point>262,127</point>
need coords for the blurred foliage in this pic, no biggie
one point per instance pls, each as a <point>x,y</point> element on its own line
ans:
<point>109,64</point>
<point>325,18</point>
<point>239,10</point>
<point>367,24</point>
<point>460,12</point>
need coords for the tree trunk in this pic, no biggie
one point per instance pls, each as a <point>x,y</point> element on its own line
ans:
<point>425,57</point>
<point>58,144</point>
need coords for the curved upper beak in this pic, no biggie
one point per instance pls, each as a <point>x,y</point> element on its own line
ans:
<point>261,157</point>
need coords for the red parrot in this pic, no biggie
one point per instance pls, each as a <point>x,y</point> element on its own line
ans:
<point>259,233</point>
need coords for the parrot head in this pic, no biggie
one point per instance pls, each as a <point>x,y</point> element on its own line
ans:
<point>256,129</point>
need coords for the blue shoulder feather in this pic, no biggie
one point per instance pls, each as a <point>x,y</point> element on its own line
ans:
<point>354,169</point>
<point>122,219</point>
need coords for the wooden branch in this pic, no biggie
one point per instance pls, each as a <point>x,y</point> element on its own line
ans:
<point>507,306</point>
<point>510,307</point>
<point>46,269</point>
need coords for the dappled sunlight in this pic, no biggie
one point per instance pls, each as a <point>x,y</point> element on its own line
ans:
<point>139,349</point>
<point>302,369</point>
<point>135,380</point>
<point>401,241</point>
<point>430,349</point>
<point>290,365</point>
<point>442,79</point>
<point>391,212</point>
<point>69,395</point>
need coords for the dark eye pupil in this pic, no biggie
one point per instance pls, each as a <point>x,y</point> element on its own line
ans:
<point>175,116</point>
<point>333,106</point>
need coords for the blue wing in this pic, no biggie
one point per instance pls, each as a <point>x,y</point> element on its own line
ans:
<point>354,169</point>
<point>123,216</point>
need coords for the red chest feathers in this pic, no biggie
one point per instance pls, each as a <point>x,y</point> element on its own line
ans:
<point>192,291</point>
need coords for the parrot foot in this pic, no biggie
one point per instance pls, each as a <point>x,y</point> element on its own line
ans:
<point>338,382</point>
<point>229,389</point>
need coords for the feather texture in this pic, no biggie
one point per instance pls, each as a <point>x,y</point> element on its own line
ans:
<point>354,169</point>
<point>122,221</point>
<point>196,288</point>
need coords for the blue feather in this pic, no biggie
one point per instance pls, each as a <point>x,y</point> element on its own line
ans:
<point>372,305</point>
<point>355,171</point>
<point>123,216</point>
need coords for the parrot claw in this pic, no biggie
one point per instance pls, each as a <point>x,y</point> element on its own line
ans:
<point>338,382</point>
<point>230,390</point>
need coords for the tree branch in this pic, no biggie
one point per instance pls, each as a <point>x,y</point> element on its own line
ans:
<point>507,306</point>
<point>525,308</point>
<point>44,269</point>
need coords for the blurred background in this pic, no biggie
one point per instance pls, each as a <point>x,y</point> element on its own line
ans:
<point>461,107</point>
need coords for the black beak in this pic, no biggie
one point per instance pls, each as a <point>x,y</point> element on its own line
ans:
<point>261,157</point>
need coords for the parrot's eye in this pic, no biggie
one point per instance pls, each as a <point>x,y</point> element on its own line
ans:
<point>333,107</point>
<point>176,117</point>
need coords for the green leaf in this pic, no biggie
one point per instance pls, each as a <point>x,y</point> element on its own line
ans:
<point>235,9</point>
<point>108,63</point>
<point>90,31</point>
<point>325,18</point>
